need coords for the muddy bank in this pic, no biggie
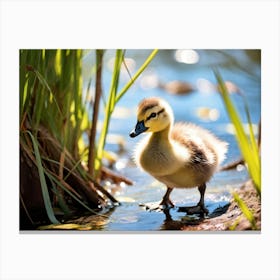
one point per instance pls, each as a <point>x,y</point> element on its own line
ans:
<point>233,218</point>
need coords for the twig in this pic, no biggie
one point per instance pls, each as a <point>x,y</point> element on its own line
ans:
<point>98,93</point>
<point>232,165</point>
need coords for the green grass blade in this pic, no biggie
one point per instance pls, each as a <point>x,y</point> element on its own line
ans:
<point>38,108</point>
<point>138,73</point>
<point>244,143</point>
<point>252,137</point>
<point>44,186</point>
<point>45,84</point>
<point>245,210</point>
<point>115,79</point>
<point>26,95</point>
<point>57,65</point>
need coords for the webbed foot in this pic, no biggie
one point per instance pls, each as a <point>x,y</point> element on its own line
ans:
<point>203,208</point>
<point>197,209</point>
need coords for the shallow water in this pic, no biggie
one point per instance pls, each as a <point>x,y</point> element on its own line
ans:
<point>235,66</point>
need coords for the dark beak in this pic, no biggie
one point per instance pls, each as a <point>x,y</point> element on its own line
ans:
<point>139,128</point>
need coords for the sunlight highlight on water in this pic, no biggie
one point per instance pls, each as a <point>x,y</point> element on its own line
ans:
<point>187,56</point>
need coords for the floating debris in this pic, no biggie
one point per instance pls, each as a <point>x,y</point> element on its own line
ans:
<point>177,87</point>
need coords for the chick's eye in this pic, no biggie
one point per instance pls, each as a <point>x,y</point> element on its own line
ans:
<point>153,115</point>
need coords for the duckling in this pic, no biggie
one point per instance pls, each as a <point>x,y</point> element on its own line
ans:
<point>180,155</point>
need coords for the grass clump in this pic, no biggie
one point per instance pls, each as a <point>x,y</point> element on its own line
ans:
<point>60,172</point>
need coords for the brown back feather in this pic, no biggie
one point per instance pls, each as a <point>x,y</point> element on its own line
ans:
<point>204,151</point>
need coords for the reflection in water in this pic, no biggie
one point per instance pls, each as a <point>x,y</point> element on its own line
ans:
<point>190,220</point>
<point>132,217</point>
<point>171,224</point>
<point>193,219</point>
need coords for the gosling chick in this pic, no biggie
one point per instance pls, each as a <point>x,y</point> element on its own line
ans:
<point>180,155</point>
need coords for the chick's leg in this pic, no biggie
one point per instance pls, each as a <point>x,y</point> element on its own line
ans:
<point>166,200</point>
<point>202,189</point>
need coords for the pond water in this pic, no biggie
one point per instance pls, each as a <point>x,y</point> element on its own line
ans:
<point>202,106</point>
